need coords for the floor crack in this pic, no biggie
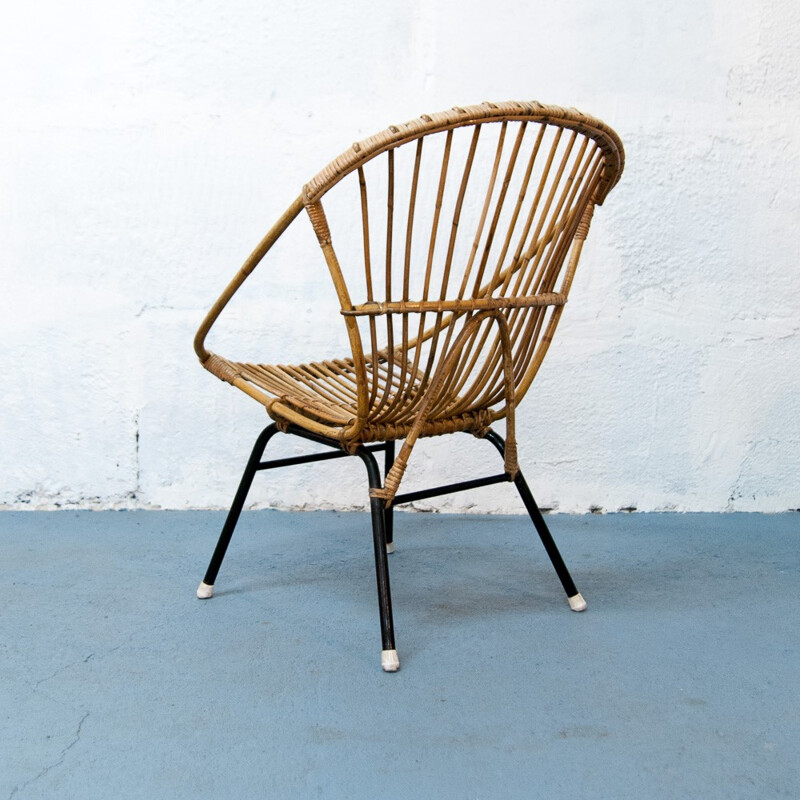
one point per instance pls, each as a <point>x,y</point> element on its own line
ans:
<point>62,756</point>
<point>62,669</point>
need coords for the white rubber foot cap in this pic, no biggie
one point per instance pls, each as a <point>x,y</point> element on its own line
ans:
<point>390,547</point>
<point>390,661</point>
<point>205,590</point>
<point>577,603</point>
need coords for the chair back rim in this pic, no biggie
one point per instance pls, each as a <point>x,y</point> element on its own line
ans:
<point>459,116</point>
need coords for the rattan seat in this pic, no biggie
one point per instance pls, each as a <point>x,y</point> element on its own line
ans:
<point>470,224</point>
<point>325,393</point>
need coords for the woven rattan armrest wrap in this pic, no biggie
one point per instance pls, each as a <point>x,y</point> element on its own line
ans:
<point>457,306</point>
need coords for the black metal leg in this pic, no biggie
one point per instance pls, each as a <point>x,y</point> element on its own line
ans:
<point>388,514</point>
<point>389,659</point>
<point>576,601</point>
<point>546,537</point>
<point>206,588</point>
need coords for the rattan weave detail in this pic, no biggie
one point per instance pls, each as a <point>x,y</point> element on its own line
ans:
<point>471,226</point>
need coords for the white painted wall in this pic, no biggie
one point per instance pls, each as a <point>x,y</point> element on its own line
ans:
<point>145,147</point>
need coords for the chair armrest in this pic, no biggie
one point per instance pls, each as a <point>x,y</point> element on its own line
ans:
<point>458,306</point>
<point>252,262</point>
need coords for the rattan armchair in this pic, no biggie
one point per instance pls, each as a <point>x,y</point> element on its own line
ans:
<point>470,226</point>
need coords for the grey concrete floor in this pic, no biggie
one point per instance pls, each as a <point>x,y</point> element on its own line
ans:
<point>680,681</point>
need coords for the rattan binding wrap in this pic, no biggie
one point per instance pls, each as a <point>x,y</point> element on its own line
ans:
<point>453,308</point>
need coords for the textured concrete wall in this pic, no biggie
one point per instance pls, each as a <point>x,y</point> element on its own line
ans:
<point>145,148</point>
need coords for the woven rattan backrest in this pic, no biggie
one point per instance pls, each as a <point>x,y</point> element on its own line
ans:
<point>470,225</point>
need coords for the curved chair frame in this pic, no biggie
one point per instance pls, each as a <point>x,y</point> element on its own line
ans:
<point>455,374</point>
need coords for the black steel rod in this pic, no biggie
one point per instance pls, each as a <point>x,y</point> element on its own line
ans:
<point>545,536</point>
<point>288,462</point>
<point>377,507</point>
<point>497,440</point>
<point>388,514</point>
<point>238,503</point>
<point>538,521</point>
<point>423,494</point>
